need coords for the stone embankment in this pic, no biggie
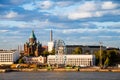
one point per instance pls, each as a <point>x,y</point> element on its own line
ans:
<point>5,70</point>
<point>2,70</point>
<point>61,70</point>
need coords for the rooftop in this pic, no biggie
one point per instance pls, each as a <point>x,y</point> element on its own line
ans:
<point>7,51</point>
<point>32,35</point>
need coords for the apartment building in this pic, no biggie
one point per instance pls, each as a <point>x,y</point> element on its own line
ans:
<point>9,57</point>
<point>73,60</point>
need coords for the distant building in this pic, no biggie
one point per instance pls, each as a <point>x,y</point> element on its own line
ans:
<point>50,46</point>
<point>85,49</point>
<point>51,43</point>
<point>73,60</point>
<point>35,60</point>
<point>44,48</point>
<point>71,48</point>
<point>9,57</point>
<point>32,48</point>
<point>112,48</point>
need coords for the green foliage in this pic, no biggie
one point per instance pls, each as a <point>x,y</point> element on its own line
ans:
<point>20,61</point>
<point>108,57</point>
<point>87,52</point>
<point>77,50</point>
<point>52,52</point>
<point>107,61</point>
<point>112,54</point>
<point>97,55</point>
<point>45,53</point>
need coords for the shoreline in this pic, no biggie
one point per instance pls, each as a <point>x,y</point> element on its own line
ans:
<point>60,70</point>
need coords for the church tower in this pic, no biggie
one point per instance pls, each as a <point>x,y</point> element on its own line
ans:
<point>32,48</point>
<point>32,38</point>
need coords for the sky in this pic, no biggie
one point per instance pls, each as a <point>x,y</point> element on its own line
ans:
<point>76,22</point>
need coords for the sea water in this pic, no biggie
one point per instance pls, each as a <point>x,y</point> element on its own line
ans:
<point>60,76</point>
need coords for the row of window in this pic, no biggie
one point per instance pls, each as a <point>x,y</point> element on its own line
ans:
<point>5,60</point>
<point>5,54</point>
<point>72,63</point>
<point>69,60</point>
<point>5,57</point>
<point>86,62</point>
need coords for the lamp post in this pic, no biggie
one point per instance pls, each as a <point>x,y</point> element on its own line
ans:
<point>100,54</point>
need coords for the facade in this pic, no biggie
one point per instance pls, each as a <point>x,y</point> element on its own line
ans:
<point>9,57</point>
<point>34,60</point>
<point>73,60</point>
<point>50,46</point>
<point>32,48</point>
<point>85,49</point>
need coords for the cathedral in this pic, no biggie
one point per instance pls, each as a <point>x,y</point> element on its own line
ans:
<point>32,48</point>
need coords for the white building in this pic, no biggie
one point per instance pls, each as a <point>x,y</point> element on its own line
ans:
<point>51,43</point>
<point>35,60</point>
<point>73,60</point>
<point>50,46</point>
<point>8,57</point>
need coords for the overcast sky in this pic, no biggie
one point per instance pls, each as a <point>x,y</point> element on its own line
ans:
<point>81,22</point>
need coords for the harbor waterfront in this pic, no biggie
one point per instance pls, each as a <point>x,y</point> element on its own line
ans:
<point>60,76</point>
<point>62,70</point>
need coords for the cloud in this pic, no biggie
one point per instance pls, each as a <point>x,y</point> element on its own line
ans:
<point>29,6</point>
<point>45,4</point>
<point>88,6</point>
<point>29,24</point>
<point>17,2</point>
<point>109,5</point>
<point>35,23</point>
<point>3,31</point>
<point>85,10</point>
<point>90,32</point>
<point>37,5</point>
<point>64,3</point>
<point>74,21</point>
<point>79,15</point>
<point>92,9</point>
<point>1,5</point>
<point>113,25</point>
<point>11,14</point>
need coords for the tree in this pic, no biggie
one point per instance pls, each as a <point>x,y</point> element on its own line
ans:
<point>112,55</point>
<point>109,57</point>
<point>45,53</point>
<point>20,61</point>
<point>107,62</point>
<point>97,55</point>
<point>52,52</point>
<point>77,50</point>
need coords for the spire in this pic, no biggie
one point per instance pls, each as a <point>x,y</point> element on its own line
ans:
<point>51,36</point>
<point>32,35</point>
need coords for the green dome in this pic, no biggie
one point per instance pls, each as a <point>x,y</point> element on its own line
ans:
<point>32,35</point>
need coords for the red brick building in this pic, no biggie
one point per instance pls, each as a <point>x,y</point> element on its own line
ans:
<point>32,48</point>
